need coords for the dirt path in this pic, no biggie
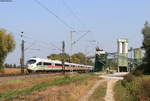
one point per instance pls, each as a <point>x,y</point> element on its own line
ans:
<point>109,93</point>
<point>91,91</point>
<point>111,80</point>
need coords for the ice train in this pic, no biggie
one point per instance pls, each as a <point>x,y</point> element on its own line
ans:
<point>38,64</point>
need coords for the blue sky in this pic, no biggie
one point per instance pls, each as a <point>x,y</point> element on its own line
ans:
<point>106,19</point>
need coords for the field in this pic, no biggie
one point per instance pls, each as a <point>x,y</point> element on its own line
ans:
<point>48,88</point>
<point>11,71</point>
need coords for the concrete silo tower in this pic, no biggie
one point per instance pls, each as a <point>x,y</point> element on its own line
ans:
<point>122,55</point>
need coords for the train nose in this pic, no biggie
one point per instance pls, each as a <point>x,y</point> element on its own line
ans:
<point>29,65</point>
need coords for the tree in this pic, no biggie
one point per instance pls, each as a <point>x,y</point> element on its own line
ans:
<point>7,45</point>
<point>146,42</point>
<point>79,58</point>
<point>145,67</point>
<point>146,46</point>
<point>10,66</point>
<point>6,65</point>
<point>59,57</point>
<point>14,66</point>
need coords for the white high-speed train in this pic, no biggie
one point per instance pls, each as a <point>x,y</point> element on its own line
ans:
<point>38,64</point>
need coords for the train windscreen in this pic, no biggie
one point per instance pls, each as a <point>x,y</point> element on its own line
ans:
<point>31,61</point>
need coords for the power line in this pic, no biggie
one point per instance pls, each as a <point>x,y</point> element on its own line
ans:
<point>33,44</point>
<point>73,13</point>
<point>80,37</point>
<point>52,13</point>
<point>16,32</point>
<point>43,42</point>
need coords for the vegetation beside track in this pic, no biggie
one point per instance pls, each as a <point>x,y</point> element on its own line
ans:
<point>11,71</point>
<point>59,81</point>
<point>133,88</point>
<point>20,82</point>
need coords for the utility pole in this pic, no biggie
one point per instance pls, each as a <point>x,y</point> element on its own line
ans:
<point>63,53</point>
<point>71,43</point>
<point>74,42</point>
<point>22,54</point>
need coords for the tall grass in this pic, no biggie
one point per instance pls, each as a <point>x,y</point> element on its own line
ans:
<point>59,81</point>
<point>133,89</point>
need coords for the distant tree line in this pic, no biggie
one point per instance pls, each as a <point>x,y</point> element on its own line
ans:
<point>10,65</point>
<point>79,58</point>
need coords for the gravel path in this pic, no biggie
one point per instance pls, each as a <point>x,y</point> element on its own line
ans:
<point>109,93</point>
<point>91,91</point>
<point>111,81</point>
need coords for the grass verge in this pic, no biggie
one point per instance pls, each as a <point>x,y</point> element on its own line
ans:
<point>133,88</point>
<point>121,92</point>
<point>72,91</point>
<point>59,81</point>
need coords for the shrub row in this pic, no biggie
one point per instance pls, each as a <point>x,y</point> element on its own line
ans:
<point>137,88</point>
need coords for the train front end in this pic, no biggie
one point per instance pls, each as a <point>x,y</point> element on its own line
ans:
<point>31,65</point>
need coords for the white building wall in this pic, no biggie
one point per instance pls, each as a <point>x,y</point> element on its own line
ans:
<point>122,52</point>
<point>126,48</point>
<point>122,46</point>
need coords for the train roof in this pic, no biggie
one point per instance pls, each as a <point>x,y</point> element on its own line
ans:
<point>46,60</point>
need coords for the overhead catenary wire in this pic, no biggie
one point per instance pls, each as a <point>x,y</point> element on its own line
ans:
<point>52,13</point>
<point>73,13</point>
<point>80,37</point>
<point>47,43</point>
<point>41,47</point>
<point>17,31</point>
<point>30,46</point>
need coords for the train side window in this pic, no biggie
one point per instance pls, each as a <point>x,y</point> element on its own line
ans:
<point>47,64</point>
<point>40,63</point>
<point>58,64</point>
<point>67,65</point>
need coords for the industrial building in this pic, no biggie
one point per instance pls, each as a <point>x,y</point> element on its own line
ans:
<point>122,55</point>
